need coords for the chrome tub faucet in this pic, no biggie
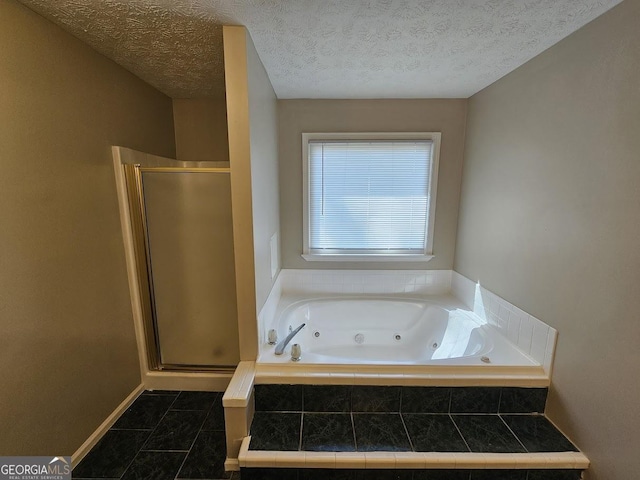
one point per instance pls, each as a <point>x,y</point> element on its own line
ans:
<point>283,344</point>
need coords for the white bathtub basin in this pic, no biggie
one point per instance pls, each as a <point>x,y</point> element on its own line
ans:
<point>382,331</point>
<point>389,331</point>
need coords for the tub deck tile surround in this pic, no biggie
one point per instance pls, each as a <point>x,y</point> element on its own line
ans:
<point>324,474</point>
<point>283,398</point>
<point>375,399</point>
<point>380,432</point>
<point>487,433</point>
<point>277,431</point>
<point>433,433</point>
<point>537,434</point>
<point>327,398</point>
<point>357,398</point>
<point>326,432</point>
<point>414,432</point>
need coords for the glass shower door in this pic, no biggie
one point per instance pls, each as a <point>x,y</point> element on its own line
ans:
<point>190,246</point>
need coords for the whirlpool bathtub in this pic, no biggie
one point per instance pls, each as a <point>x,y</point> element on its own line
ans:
<point>389,331</point>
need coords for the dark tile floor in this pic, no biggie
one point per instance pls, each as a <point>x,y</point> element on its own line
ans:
<point>180,435</point>
<point>163,435</point>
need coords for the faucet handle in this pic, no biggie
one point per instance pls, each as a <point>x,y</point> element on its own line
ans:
<point>272,337</point>
<point>296,352</point>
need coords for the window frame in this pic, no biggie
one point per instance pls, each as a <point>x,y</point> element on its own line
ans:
<point>427,254</point>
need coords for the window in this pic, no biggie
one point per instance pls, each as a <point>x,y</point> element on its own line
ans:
<point>369,196</point>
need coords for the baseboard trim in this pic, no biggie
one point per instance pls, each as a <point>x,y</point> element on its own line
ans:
<point>196,381</point>
<point>232,465</point>
<point>95,437</point>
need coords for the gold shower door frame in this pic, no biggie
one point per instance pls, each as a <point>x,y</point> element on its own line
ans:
<point>144,267</point>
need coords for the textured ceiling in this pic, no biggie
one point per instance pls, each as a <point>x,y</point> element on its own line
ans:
<point>326,48</point>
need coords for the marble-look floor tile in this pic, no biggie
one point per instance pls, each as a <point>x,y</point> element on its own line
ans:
<point>145,413</point>
<point>275,431</point>
<point>326,474</point>
<point>475,399</point>
<point>425,399</point>
<point>206,458</point>
<point>487,433</point>
<point>554,475</point>
<point>375,399</point>
<point>498,475</point>
<point>537,434</point>
<point>327,398</point>
<point>278,398</point>
<point>269,474</point>
<point>523,400</point>
<point>433,433</point>
<point>176,431</point>
<point>215,419</point>
<point>441,475</point>
<point>380,432</point>
<point>328,432</point>
<point>112,454</point>
<point>155,466</point>
<point>195,401</point>
<point>383,474</point>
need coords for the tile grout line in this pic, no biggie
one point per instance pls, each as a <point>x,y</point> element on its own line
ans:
<point>514,434</point>
<point>406,430</point>
<point>353,429</point>
<point>196,436</point>
<point>301,427</point>
<point>154,429</point>
<point>460,433</point>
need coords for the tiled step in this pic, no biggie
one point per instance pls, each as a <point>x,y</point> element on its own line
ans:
<point>395,399</point>
<point>265,464</point>
<point>351,429</point>
<point>406,474</point>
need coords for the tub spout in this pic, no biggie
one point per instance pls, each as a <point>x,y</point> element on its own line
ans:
<point>283,344</point>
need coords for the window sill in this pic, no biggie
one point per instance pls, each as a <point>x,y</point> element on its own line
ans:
<point>314,257</point>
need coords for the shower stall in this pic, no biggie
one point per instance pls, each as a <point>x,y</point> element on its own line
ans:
<point>181,225</point>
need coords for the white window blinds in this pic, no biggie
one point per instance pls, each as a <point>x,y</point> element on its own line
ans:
<point>369,197</point>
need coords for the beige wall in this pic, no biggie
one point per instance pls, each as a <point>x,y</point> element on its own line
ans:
<point>201,129</point>
<point>253,152</point>
<point>298,116</point>
<point>67,345</point>
<point>549,220</point>
<point>263,117</point>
